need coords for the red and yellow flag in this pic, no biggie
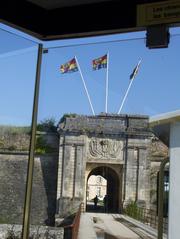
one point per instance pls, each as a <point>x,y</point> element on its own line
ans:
<point>100,62</point>
<point>69,67</point>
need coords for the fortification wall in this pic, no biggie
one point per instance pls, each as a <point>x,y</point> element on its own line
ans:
<point>14,141</point>
<point>13,170</point>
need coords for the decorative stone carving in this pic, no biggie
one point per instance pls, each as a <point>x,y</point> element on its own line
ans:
<point>105,148</point>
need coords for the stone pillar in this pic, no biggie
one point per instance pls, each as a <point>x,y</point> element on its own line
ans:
<point>79,173</point>
<point>65,177</point>
<point>71,174</point>
<point>68,171</point>
<point>137,177</point>
<point>130,181</point>
<point>144,178</point>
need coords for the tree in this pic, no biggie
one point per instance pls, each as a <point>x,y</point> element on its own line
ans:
<point>47,125</point>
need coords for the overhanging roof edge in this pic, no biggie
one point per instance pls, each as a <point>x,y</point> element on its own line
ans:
<point>166,118</point>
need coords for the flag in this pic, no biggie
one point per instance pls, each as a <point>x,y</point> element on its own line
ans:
<point>135,71</point>
<point>69,67</point>
<point>99,63</point>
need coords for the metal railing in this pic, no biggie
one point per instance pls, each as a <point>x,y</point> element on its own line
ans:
<point>73,228</point>
<point>147,216</point>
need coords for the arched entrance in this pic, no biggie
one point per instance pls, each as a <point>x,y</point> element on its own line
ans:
<point>112,202</point>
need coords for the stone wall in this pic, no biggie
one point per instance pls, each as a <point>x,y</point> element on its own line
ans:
<point>20,141</point>
<point>14,141</point>
<point>13,170</point>
<point>40,232</point>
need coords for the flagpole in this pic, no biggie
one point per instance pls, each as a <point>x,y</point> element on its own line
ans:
<point>107,83</point>
<point>125,96</point>
<point>85,86</point>
<point>130,84</point>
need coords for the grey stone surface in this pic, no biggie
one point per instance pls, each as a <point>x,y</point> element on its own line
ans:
<point>20,142</point>
<point>13,170</point>
<point>14,141</point>
<point>41,231</point>
<point>104,123</point>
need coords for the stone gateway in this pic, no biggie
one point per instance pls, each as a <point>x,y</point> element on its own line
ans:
<point>113,146</point>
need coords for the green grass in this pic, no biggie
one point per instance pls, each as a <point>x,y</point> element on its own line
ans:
<point>134,211</point>
<point>5,129</point>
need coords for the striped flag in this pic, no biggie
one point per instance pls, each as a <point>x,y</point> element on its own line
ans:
<point>69,67</point>
<point>100,63</point>
<point>135,71</point>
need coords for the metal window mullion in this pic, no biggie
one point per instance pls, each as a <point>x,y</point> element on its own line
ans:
<point>30,168</point>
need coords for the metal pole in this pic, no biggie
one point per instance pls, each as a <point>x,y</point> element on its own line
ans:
<point>132,79</point>
<point>107,84</point>
<point>160,198</point>
<point>125,96</point>
<point>86,90</point>
<point>27,203</point>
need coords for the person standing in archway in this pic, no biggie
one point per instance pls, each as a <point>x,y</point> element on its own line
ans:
<point>95,201</point>
<point>105,203</point>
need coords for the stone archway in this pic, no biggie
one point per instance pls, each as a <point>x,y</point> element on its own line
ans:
<point>113,188</point>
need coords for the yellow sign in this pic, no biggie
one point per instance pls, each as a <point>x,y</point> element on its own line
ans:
<point>158,13</point>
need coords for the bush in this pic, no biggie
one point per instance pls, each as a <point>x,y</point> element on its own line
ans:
<point>47,125</point>
<point>134,211</point>
<point>42,147</point>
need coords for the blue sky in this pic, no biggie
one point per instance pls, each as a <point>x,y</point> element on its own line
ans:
<point>155,89</point>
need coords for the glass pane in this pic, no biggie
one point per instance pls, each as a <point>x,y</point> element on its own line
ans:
<point>18,59</point>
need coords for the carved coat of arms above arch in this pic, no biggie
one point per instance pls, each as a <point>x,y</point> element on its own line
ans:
<point>105,148</point>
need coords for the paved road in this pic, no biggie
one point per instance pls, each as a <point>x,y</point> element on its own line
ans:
<point>114,226</point>
<point>103,226</point>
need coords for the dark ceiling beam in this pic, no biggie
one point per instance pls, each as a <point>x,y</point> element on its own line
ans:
<point>76,21</point>
<point>22,15</point>
<point>94,17</point>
